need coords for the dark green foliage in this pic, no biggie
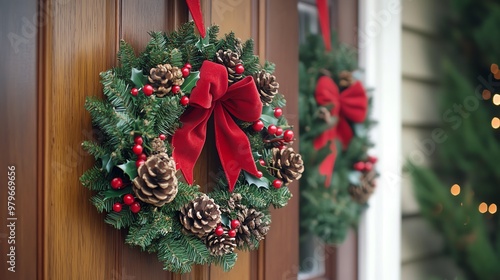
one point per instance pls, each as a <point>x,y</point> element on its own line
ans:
<point>121,117</point>
<point>327,212</point>
<point>469,153</point>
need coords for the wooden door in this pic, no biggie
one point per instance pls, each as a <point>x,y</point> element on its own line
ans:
<point>59,233</point>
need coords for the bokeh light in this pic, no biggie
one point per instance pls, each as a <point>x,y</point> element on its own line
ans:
<point>483,207</point>
<point>493,208</point>
<point>494,68</point>
<point>455,190</point>
<point>496,99</point>
<point>495,122</point>
<point>486,94</point>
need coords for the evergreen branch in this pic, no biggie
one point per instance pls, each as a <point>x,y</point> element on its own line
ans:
<point>120,220</point>
<point>95,179</point>
<point>94,149</point>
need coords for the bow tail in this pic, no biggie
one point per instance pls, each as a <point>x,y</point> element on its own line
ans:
<point>233,146</point>
<point>344,132</point>
<point>188,141</point>
<point>326,167</point>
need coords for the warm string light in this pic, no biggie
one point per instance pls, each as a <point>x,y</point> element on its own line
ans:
<point>495,71</point>
<point>486,94</point>
<point>483,207</point>
<point>493,208</point>
<point>455,189</point>
<point>496,99</point>
<point>495,122</point>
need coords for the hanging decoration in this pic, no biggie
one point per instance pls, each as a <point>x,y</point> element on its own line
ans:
<point>154,121</point>
<point>340,175</point>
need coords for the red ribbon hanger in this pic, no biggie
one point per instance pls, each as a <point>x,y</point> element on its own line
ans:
<point>212,96</point>
<point>351,105</point>
<point>324,22</point>
<point>194,7</point>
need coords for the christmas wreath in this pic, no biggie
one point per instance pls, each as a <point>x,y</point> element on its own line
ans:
<point>154,121</point>
<point>334,141</point>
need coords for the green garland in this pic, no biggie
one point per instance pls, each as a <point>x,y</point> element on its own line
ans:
<point>328,213</point>
<point>123,116</point>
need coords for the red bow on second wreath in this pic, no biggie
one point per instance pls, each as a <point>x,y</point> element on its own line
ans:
<point>351,105</point>
<point>212,94</point>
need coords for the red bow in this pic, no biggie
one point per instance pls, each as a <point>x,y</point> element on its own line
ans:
<point>324,22</point>
<point>212,94</point>
<point>351,105</point>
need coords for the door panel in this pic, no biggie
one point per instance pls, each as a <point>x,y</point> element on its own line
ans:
<point>79,40</point>
<point>18,108</point>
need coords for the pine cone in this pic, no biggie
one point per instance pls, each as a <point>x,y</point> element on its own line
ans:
<point>200,216</point>
<point>267,86</point>
<point>158,146</point>
<point>220,245</point>
<point>346,79</point>
<point>234,202</point>
<point>286,165</point>
<point>362,193</point>
<point>156,182</point>
<point>251,224</point>
<point>229,59</point>
<point>239,46</point>
<point>163,77</point>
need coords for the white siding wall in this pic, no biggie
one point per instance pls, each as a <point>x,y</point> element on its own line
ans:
<point>421,246</point>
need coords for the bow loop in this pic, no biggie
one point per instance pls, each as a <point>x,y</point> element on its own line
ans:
<point>212,96</point>
<point>349,106</point>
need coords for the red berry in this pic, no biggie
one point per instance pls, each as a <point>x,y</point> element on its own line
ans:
<point>184,101</point>
<point>162,137</point>
<point>117,207</point>
<point>188,66</point>
<point>176,89</point>
<point>278,112</point>
<point>368,166</point>
<point>235,224</point>
<point>259,174</point>
<point>372,159</point>
<point>239,69</point>
<point>128,199</point>
<point>258,125</point>
<point>359,166</point>
<point>219,231</point>
<point>142,156</point>
<point>279,131</point>
<point>138,140</point>
<point>185,72</point>
<point>288,136</point>
<point>134,92</point>
<point>139,162</point>
<point>117,183</point>
<point>137,149</point>
<point>148,90</point>
<point>282,147</point>
<point>271,129</point>
<point>232,233</point>
<point>262,162</point>
<point>277,183</point>
<point>135,207</point>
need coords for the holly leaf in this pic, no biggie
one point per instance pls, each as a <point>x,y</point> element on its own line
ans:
<point>190,81</point>
<point>107,163</point>
<point>268,120</point>
<point>203,42</point>
<point>129,168</point>
<point>115,193</point>
<point>138,78</point>
<point>224,219</point>
<point>355,177</point>
<point>262,182</point>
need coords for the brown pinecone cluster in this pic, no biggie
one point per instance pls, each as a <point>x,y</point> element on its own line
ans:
<point>158,146</point>
<point>266,85</point>
<point>230,59</point>
<point>219,245</point>
<point>253,225</point>
<point>345,79</point>
<point>367,185</point>
<point>156,182</point>
<point>286,165</point>
<point>163,77</point>
<point>200,216</point>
